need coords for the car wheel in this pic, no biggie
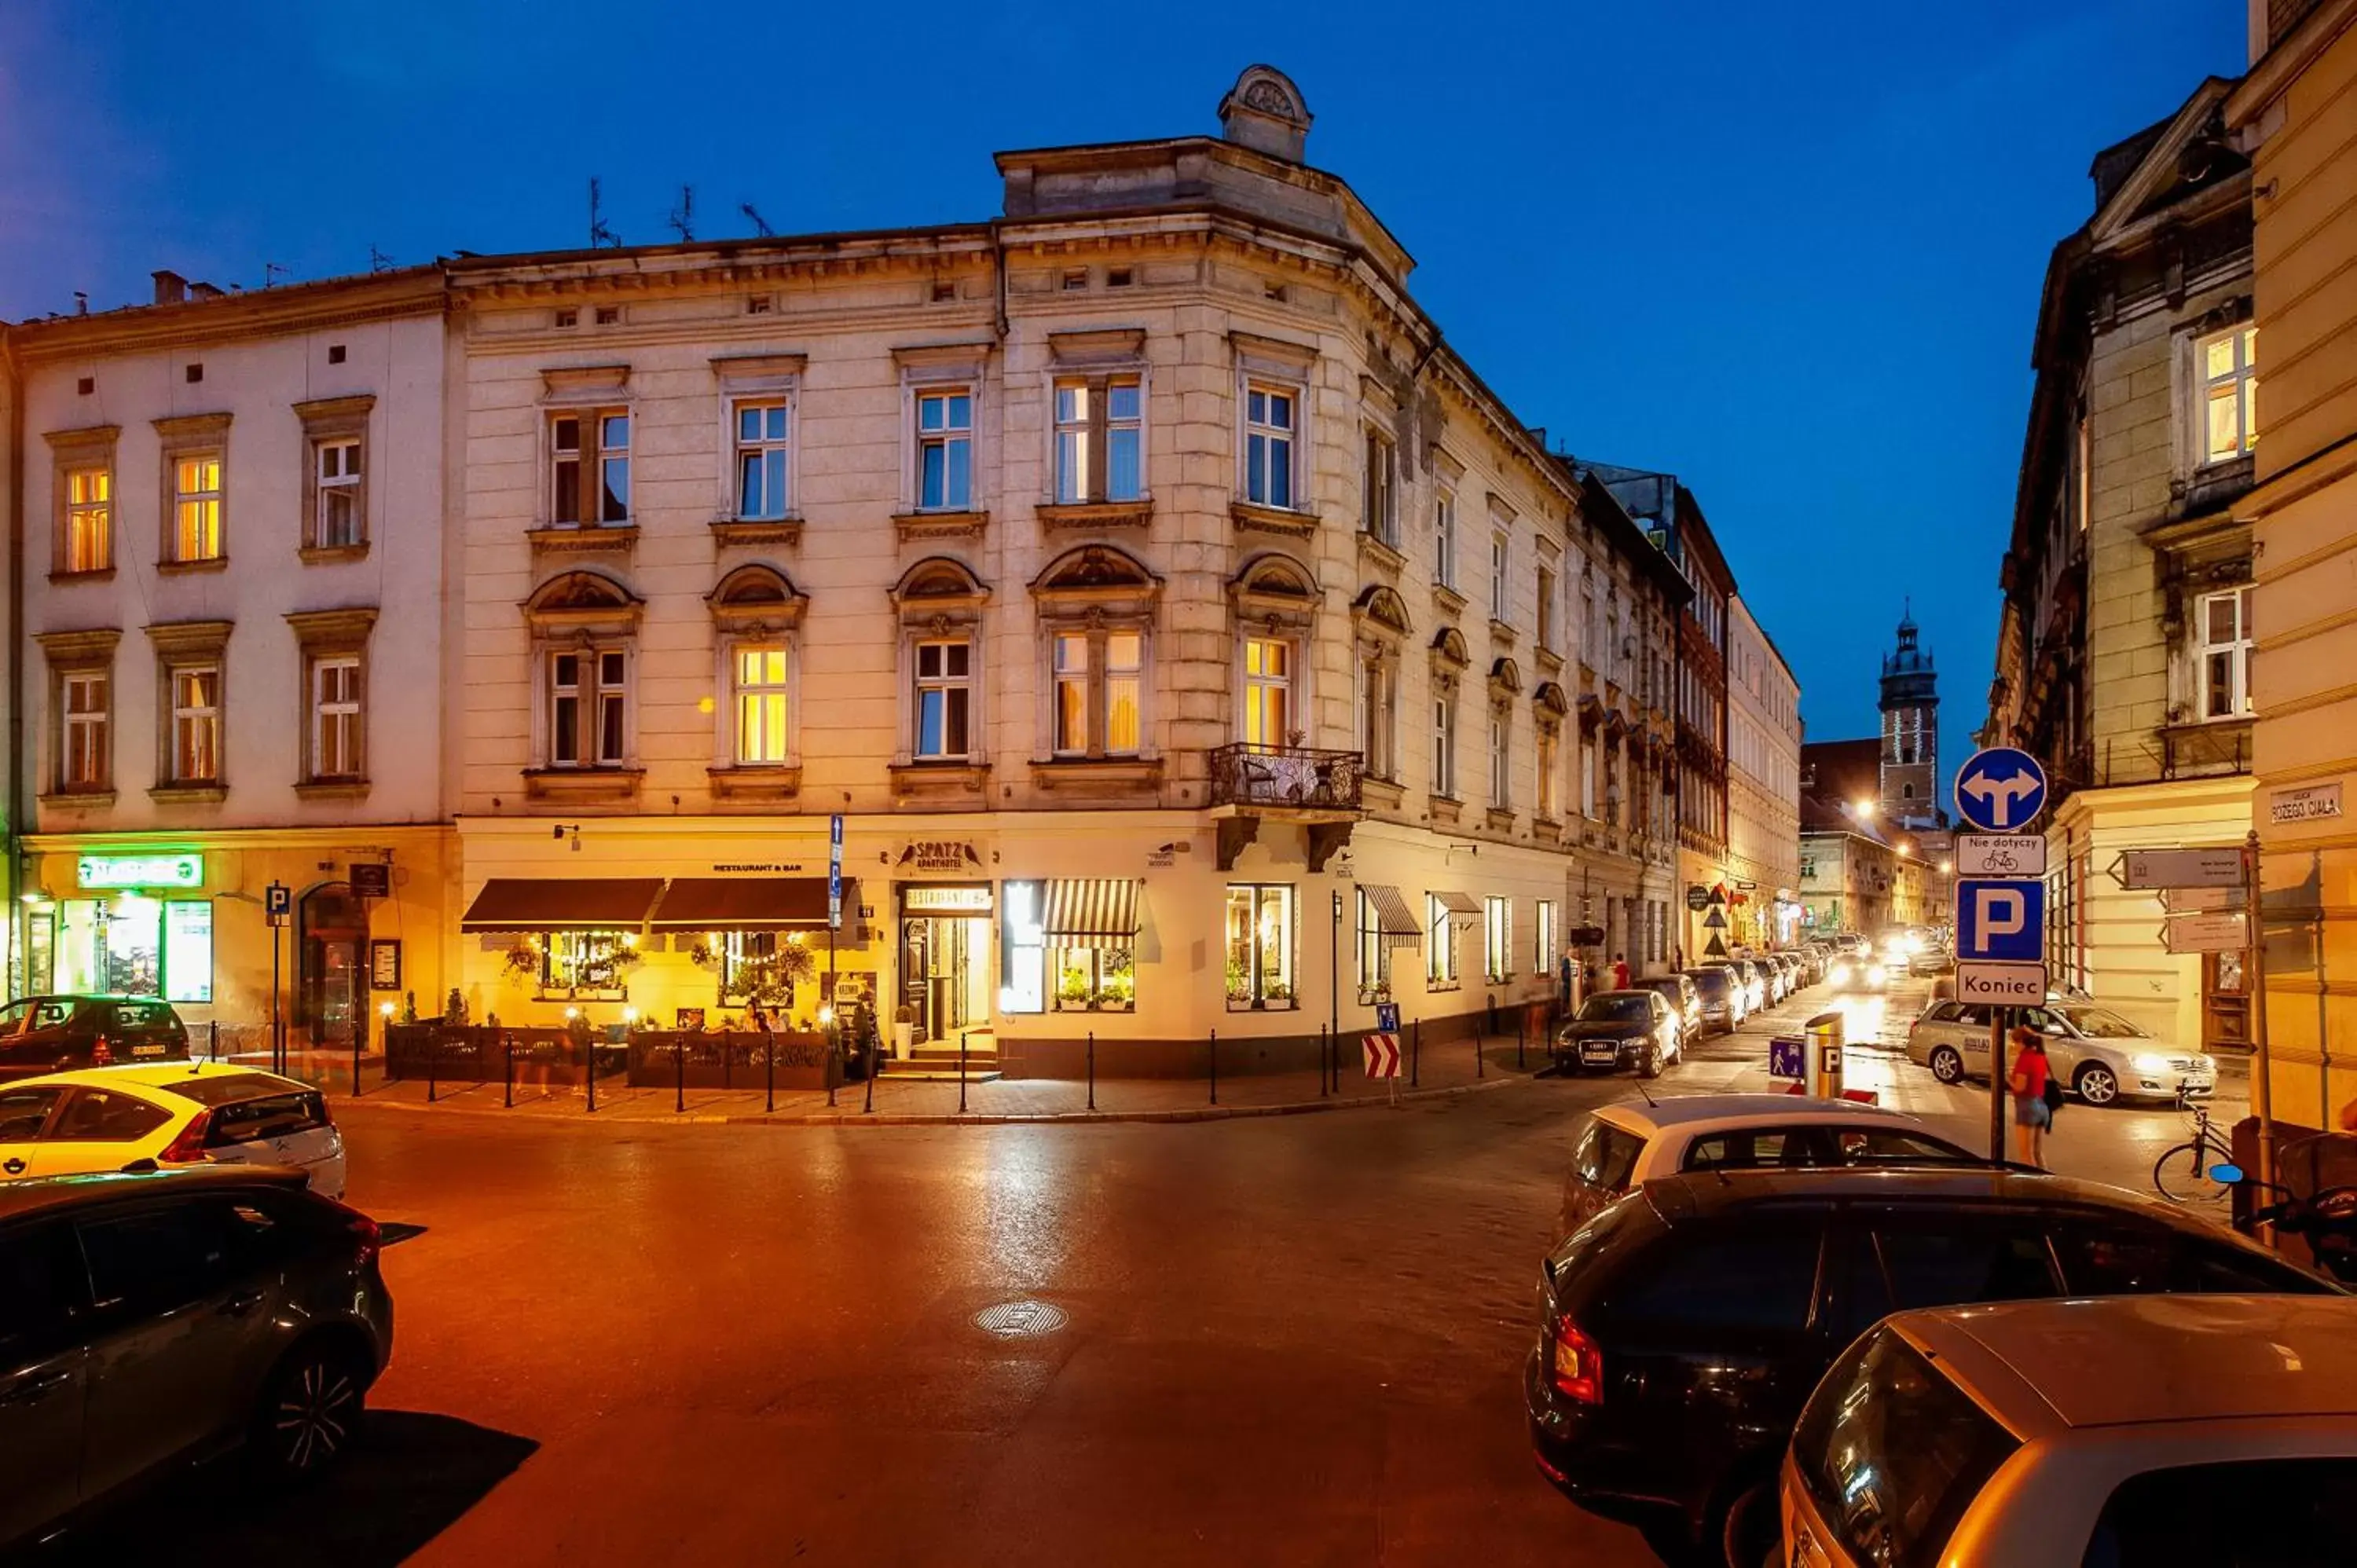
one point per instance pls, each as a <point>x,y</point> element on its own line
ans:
<point>310,1412</point>
<point>1650,1067</point>
<point>1748,1531</point>
<point>2097,1084</point>
<point>1947,1066</point>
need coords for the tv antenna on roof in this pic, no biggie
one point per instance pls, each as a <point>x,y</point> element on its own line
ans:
<point>273,271</point>
<point>683,217</point>
<point>760,224</point>
<point>378,261</point>
<point>599,233</point>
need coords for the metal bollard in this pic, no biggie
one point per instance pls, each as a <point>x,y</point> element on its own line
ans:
<point>1522,1032</point>
<point>1093,1070</point>
<point>1215,1066</point>
<point>875,1066</point>
<point>961,1075</point>
<point>507,1044</point>
<point>592,1078</point>
<point>1321,1061</point>
<point>1480,1062</point>
<point>679,1073</point>
<point>768,1071</point>
<point>356,1063</point>
<point>833,1063</point>
<point>433,1066</point>
<point>1415,1051</point>
<point>212,1046</point>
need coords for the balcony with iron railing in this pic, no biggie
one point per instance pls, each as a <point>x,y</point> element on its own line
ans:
<point>1285,778</point>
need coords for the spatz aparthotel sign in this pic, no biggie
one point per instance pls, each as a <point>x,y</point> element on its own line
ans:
<point>938,855</point>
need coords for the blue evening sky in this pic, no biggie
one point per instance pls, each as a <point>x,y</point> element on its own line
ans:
<point>1791,252</point>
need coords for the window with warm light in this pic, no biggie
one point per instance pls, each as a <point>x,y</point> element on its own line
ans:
<point>196,507</point>
<point>2228,366</point>
<point>1497,937</point>
<point>195,756</point>
<point>1259,942</point>
<point>1374,968</point>
<point>759,674</point>
<point>1542,937</point>
<point>89,543</point>
<point>1440,946</point>
<point>1269,691</point>
<point>1097,678</point>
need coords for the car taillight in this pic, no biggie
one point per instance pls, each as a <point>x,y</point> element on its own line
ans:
<point>1578,1365</point>
<point>190,1146</point>
<point>102,1055</point>
<point>360,1227</point>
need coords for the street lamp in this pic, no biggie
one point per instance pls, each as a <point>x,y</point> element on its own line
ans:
<point>1946,866</point>
<point>1862,809</point>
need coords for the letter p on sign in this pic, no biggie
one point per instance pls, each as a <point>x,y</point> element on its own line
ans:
<point>2002,921</point>
<point>2003,911</point>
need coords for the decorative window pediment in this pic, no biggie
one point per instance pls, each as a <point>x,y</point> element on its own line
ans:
<point>1276,590</point>
<point>757,599</point>
<point>941,591</point>
<point>1505,678</point>
<point>567,385</point>
<point>1448,648</point>
<point>583,601</point>
<point>1097,577</point>
<point>1121,345</point>
<point>1549,699</point>
<point>1381,611</point>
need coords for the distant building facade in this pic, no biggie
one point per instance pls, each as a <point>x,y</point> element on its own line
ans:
<point>2124,648</point>
<point>1763,778</point>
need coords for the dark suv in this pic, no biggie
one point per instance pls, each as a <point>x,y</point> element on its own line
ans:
<point>1682,1330</point>
<point>66,1034</point>
<point>146,1320</point>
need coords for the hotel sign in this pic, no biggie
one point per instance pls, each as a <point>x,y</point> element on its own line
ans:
<point>129,871</point>
<point>938,855</point>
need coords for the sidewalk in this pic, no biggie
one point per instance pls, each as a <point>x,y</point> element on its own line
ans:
<point>1440,1071</point>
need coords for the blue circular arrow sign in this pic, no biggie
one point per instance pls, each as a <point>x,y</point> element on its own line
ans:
<point>2000,790</point>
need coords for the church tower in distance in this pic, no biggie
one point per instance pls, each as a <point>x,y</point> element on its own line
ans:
<point>1911,734</point>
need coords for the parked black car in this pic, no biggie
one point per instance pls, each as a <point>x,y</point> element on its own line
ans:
<point>1682,1329</point>
<point>146,1320</point>
<point>67,1034</point>
<point>1620,1028</point>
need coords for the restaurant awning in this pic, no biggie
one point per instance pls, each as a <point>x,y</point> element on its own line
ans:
<point>1395,927</point>
<point>1460,906</point>
<point>1090,912</point>
<point>751,904</point>
<point>562,904</point>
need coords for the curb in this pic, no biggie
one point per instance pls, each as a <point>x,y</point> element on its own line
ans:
<point>840,1118</point>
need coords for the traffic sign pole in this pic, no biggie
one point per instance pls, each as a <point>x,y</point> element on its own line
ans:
<point>2256,976</point>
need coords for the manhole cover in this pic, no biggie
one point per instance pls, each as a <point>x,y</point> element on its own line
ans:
<point>1020,1319</point>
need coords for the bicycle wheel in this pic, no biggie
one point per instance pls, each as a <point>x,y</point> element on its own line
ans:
<point>2183,1175</point>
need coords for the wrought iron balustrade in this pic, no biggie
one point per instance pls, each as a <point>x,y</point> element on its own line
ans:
<point>1285,777</point>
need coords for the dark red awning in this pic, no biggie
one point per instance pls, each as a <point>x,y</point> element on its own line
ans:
<point>751,903</point>
<point>562,904</point>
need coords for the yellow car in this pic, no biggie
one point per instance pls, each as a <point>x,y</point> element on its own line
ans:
<point>174,1114</point>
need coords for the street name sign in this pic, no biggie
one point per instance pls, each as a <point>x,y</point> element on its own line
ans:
<point>1382,1054</point>
<point>2000,790</point>
<point>2143,870</point>
<point>2011,985</point>
<point>2003,922</point>
<point>2224,932</point>
<point>2308,803</point>
<point>2195,901</point>
<point>2001,855</point>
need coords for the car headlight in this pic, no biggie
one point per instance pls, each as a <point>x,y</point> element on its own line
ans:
<point>1841,972</point>
<point>2150,1062</point>
<point>1874,975</point>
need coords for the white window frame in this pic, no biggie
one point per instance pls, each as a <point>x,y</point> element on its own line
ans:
<point>1094,679</point>
<point>1444,540</point>
<point>1542,937</point>
<point>1373,961</point>
<point>1378,714</point>
<point>1255,996</point>
<point>1259,469</point>
<point>947,439</point>
<point>1081,440</point>
<point>343,712</point>
<point>1444,745</point>
<point>96,723</point>
<point>763,448</point>
<point>194,725</point>
<point>1502,565</point>
<point>1250,685</point>
<point>2237,385</point>
<point>782,689</point>
<point>592,697</point>
<point>969,684</point>
<point>1497,937</point>
<point>1546,608</point>
<point>591,452</point>
<point>1501,757</point>
<point>1550,766</point>
<point>1440,972</point>
<point>1379,504</point>
<point>2236,651</point>
<point>339,484</point>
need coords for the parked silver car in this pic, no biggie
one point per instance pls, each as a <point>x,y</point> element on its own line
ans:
<point>2099,1054</point>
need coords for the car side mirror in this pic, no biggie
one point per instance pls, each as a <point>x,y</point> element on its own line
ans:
<point>142,1167</point>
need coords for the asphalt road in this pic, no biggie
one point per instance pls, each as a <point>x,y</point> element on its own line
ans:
<point>1288,1341</point>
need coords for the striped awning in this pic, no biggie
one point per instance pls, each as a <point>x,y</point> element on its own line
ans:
<point>1460,906</point>
<point>1090,912</point>
<point>1395,926</point>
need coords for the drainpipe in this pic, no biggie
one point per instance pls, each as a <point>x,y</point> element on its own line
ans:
<point>998,278</point>
<point>12,382</point>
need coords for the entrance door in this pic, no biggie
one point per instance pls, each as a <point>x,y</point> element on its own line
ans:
<point>332,978</point>
<point>945,964</point>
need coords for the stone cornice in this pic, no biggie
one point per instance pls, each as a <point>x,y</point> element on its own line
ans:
<point>182,638</point>
<point>235,317</point>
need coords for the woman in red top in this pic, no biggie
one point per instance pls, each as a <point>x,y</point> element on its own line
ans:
<point>2031,1115</point>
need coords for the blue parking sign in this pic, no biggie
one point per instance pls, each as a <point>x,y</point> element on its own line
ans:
<point>2002,922</point>
<point>1784,1058</point>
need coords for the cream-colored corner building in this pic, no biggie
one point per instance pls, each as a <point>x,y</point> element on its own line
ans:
<point>1763,784</point>
<point>2124,652</point>
<point>229,673</point>
<point>2295,114</point>
<point>1187,639</point>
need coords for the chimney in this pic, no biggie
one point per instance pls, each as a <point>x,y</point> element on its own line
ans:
<point>171,288</point>
<point>204,291</point>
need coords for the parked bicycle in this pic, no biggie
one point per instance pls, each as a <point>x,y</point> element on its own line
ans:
<point>2183,1175</point>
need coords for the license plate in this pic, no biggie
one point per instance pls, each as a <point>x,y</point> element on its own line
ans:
<point>147,1051</point>
<point>1599,1053</point>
